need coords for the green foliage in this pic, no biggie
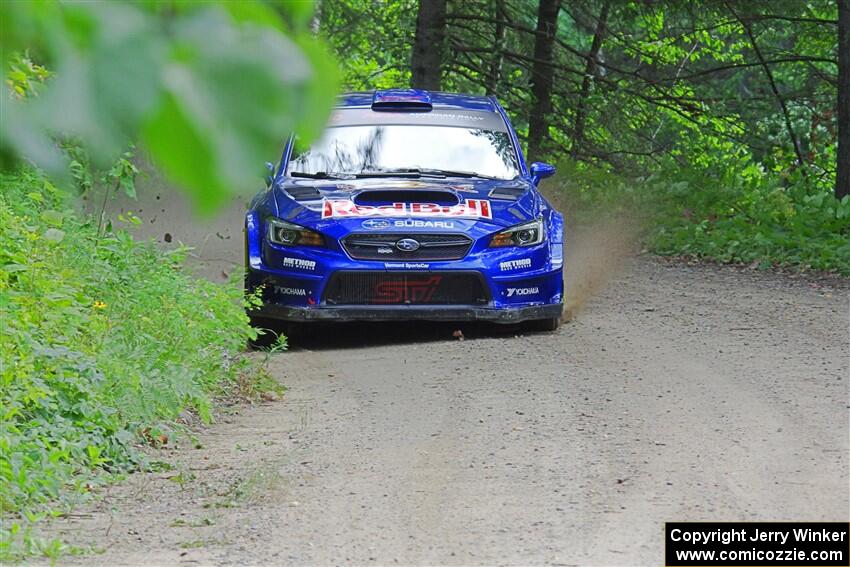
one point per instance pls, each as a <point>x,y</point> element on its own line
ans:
<point>209,89</point>
<point>372,41</point>
<point>121,175</point>
<point>25,78</point>
<point>670,79</point>
<point>104,341</point>
<point>741,214</point>
<point>25,81</point>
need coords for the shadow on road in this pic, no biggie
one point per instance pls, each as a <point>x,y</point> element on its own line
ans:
<point>359,335</point>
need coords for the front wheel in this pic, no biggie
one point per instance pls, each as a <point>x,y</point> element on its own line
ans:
<point>544,325</point>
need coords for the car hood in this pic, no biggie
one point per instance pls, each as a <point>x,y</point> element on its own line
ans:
<point>319,203</point>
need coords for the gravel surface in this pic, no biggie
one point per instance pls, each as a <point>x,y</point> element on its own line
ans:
<point>679,393</point>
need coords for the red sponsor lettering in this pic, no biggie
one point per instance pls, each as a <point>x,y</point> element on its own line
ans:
<point>344,208</point>
<point>426,209</point>
<point>406,290</point>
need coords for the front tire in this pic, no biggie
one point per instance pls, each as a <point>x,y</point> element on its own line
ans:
<point>547,325</point>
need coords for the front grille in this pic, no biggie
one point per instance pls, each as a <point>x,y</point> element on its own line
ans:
<point>382,246</point>
<point>405,288</point>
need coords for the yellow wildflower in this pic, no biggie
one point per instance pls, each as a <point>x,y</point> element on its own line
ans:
<point>99,305</point>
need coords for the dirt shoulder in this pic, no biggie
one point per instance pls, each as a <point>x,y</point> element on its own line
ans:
<point>679,393</point>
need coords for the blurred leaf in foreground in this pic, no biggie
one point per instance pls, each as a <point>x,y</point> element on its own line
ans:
<point>210,91</point>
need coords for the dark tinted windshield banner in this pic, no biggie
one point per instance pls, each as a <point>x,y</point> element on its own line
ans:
<point>438,117</point>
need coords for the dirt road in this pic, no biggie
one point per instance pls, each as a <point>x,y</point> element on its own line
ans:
<point>680,393</point>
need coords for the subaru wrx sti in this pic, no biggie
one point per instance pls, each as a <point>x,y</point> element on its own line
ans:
<point>412,205</point>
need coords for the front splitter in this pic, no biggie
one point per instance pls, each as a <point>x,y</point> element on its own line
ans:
<point>408,313</point>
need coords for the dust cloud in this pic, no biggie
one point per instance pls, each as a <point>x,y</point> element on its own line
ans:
<point>597,248</point>
<point>594,254</point>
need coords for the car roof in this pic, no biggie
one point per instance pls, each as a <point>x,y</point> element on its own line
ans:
<point>363,99</point>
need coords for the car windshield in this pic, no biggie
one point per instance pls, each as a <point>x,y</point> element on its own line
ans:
<point>374,149</point>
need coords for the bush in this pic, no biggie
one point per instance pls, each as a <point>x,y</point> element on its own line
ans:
<point>104,341</point>
<point>740,214</point>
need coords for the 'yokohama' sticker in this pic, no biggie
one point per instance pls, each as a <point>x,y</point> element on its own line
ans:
<point>344,208</point>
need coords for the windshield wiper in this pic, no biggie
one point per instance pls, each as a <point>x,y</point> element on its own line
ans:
<point>420,172</point>
<point>398,172</point>
<point>455,173</point>
<point>321,175</point>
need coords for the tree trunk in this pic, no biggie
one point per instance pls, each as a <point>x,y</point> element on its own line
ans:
<point>316,20</point>
<point>842,177</point>
<point>542,74</point>
<point>427,58</point>
<point>495,73</point>
<point>589,72</point>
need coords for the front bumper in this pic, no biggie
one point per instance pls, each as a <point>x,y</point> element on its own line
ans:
<point>518,284</point>
<point>305,299</point>
<point>504,315</point>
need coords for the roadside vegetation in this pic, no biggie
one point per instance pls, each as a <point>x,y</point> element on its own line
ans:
<point>739,214</point>
<point>105,342</point>
<point>108,345</point>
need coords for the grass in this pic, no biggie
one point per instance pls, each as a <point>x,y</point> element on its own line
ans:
<point>104,342</point>
<point>741,214</point>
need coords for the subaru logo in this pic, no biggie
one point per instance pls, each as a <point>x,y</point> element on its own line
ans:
<point>375,224</point>
<point>407,245</point>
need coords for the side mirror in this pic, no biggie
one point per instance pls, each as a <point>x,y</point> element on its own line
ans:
<point>270,176</point>
<point>540,170</point>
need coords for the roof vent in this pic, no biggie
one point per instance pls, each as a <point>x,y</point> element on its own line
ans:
<point>402,99</point>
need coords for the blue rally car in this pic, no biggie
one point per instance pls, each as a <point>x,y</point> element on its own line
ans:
<point>412,205</point>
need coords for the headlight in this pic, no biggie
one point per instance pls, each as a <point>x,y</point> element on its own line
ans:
<point>288,234</point>
<point>527,234</point>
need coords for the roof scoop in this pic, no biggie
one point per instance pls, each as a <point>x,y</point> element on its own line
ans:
<point>402,100</point>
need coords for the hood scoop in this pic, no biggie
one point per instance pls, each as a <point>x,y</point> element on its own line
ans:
<point>508,193</point>
<point>386,196</point>
<point>304,192</point>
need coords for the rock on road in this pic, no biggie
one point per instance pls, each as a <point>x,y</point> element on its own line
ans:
<point>680,393</point>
